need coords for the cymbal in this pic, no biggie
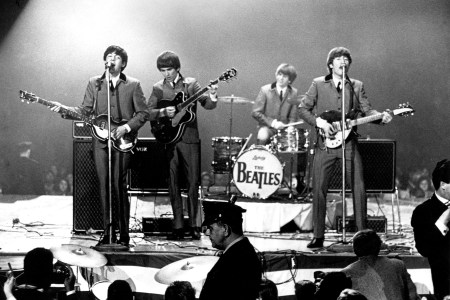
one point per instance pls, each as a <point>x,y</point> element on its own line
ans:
<point>80,256</point>
<point>234,99</point>
<point>190,269</point>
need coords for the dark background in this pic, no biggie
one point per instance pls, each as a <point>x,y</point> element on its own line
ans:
<point>400,51</point>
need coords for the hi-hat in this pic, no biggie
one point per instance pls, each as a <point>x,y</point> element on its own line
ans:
<point>80,256</point>
<point>234,99</point>
<point>190,269</point>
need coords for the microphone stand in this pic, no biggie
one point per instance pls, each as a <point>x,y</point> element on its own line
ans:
<point>110,246</point>
<point>343,127</point>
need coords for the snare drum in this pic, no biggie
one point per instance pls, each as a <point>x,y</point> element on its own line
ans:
<point>257,173</point>
<point>225,151</point>
<point>100,289</point>
<point>291,139</point>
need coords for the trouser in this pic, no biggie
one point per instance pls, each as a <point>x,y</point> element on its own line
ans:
<point>185,158</point>
<point>324,160</point>
<point>119,165</point>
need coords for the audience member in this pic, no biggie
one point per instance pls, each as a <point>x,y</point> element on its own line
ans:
<point>305,290</point>
<point>349,294</point>
<point>332,284</point>
<point>378,277</point>
<point>237,273</point>
<point>49,183</point>
<point>38,274</point>
<point>179,290</point>
<point>423,189</point>
<point>268,290</point>
<point>63,187</point>
<point>26,173</point>
<point>120,290</point>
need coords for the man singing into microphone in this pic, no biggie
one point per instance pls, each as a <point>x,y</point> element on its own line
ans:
<point>325,94</point>
<point>129,113</point>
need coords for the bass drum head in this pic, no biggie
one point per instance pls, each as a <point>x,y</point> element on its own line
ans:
<point>100,289</point>
<point>257,173</point>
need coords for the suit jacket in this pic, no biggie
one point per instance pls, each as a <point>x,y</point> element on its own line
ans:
<point>127,101</point>
<point>268,106</point>
<point>236,275</point>
<point>163,90</point>
<point>381,278</point>
<point>322,96</point>
<point>431,243</point>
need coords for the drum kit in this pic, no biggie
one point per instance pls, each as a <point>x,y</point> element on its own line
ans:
<point>257,172</point>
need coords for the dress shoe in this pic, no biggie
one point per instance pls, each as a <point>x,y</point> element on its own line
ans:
<point>315,243</point>
<point>176,235</point>
<point>195,233</point>
<point>124,241</point>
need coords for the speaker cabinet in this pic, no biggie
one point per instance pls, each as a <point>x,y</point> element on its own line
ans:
<point>87,211</point>
<point>149,168</point>
<point>378,159</point>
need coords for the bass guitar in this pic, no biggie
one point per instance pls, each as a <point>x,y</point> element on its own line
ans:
<point>169,130</point>
<point>334,117</point>
<point>98,124</point>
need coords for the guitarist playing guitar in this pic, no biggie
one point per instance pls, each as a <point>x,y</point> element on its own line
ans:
<point>129,110</point>
<point>325,94</point>
<point>183,153</point>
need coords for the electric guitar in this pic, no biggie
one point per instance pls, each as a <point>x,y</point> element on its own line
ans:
<point>98,125</point>
<point>334,117</point>
<point>169,130</point>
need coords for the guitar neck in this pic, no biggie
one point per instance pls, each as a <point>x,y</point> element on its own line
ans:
<point>366,119</point>
<point>65,111</point>
<point>193,98</point>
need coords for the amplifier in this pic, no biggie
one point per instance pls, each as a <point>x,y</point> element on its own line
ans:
<point>160,226</point>
<point>81,130</point>
<point>378,224</point>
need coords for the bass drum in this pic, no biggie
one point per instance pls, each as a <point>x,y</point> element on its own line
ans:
<point>257,173</point>
<point>100,289</point>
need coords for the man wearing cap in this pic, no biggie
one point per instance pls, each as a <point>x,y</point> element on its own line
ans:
<point>430,221</point>
<point>325,95</point>
<point>183,155</point>
<point>237,273</point>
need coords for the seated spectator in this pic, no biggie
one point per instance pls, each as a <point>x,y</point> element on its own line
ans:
<point>268,290</point>
<point>63,188</point>
<point>349,294</point>
<point>423,189</point>
<point>120,290</point>
<point>38,273</point>
<point>305,290</point>
<point>180,290</point>
<point>332,284</point>
<point>49,183</point>
<point>378,277</point>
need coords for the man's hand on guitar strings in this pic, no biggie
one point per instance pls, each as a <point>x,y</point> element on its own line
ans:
<point>326,128</point>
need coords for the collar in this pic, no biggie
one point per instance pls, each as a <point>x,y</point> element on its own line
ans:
<point>442,199</point>
<point>122,77</point>
<point>233,242</point>
<point>273,86</point>
<point>177,79</point>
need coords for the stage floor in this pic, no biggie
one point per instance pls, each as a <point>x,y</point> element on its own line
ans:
<point>47,221</point>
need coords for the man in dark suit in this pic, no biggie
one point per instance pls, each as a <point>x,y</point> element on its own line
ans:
<point>128,108</point>
<point>237,273</point>
<point>275,105</point>
<point>183,155</point>
<point>325,94</point>
<point>430,221</point>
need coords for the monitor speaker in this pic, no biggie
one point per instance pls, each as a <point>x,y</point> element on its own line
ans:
<point>378,159</point>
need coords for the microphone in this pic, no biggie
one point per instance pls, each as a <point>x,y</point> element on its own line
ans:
<point>109,65</point>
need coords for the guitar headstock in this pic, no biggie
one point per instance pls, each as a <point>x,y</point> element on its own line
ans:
<point>28,97</point>
<point>404,110</point>
<point>226,76</point>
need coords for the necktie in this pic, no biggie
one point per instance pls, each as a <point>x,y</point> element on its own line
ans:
<point>281,95</point>
<point>339,87</point>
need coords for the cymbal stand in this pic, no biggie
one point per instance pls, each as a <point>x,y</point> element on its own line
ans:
<point>229,164</point>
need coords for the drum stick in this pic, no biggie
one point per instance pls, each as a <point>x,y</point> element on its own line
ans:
<point>245,145</point>
<point>293,124</point>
